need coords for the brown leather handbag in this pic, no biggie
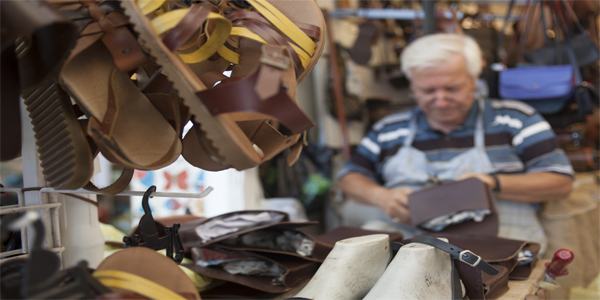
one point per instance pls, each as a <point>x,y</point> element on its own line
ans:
<point>501,253</point>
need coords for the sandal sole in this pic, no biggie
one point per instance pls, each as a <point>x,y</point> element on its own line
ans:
<point>64,153</point>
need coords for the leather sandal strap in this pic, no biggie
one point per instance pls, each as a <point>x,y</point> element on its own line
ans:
<point>185,29</point>
<point>254,93</point>
<point>169,21</point>
<point>314,32</point>
<point>116,187</point>
<point>465,256</point>
<point>284,24</point>
<point>121,43</point>
<point>114,18</point>
<point>107,124</point>
<point>273,38</point>
<point>101,133</point>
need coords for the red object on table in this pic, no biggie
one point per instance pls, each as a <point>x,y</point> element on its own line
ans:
<point>560,260</point>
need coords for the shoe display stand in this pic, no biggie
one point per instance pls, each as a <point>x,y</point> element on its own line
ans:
<point>70,217</point>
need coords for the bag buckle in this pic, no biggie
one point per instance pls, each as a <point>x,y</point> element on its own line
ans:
<point>275,59</point>
<point>465,253</point>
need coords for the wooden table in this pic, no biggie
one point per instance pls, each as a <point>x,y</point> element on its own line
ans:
<point>517,289</point>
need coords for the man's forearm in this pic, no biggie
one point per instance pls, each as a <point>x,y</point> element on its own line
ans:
<point>361,189</point>
<point>534,187</point>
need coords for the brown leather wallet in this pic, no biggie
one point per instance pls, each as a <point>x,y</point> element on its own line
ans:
<point>464,195</point>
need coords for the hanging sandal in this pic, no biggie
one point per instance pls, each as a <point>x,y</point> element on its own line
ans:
<point>217,109</point>
<point>124,124</point>
<point>45,38</point>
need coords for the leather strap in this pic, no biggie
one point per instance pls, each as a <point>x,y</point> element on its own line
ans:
<point>314,32</point>
<point>170,21</point>
<point>240,94</point>
<point>273,38</point>
<point>101,133</point>
<point>284,24</point>
<point>149,6</point>
<point>465,256</point>
<point>116,187</point>
<point>455,283</point>
<point>184,30</point>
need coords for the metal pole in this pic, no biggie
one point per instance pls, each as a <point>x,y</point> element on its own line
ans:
<point>428,7</point>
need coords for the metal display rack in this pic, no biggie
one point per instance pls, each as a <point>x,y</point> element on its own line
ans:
<point>36,196</point>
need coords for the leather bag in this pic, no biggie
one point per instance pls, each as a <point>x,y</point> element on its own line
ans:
<point>584,49</point>
<point>489,284</point>
<point>500,251</point>
<point>545,88</point>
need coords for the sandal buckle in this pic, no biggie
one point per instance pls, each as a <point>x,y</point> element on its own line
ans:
<point>275,59</point>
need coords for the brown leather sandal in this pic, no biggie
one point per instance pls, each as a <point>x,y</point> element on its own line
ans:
<point>44,38</point>
<point>231,116</point>
<point>124,123</point>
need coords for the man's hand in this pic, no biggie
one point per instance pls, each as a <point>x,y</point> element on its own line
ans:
<point>485,178</point>
<point>394,203</point>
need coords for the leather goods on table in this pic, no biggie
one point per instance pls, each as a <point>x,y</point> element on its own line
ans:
<point>478,284</point>
<point>466,195</point>
<point>323,244</point>
<point>189,230</point>
<point>296,270</point>
<point>500,251</point>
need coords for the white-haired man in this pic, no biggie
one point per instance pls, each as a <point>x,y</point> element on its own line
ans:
<point>453,134</point>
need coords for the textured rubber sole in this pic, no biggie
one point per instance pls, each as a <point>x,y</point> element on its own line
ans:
<point>64,152</point>
<point>222,131</point>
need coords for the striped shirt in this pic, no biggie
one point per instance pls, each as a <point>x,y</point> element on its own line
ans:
<point>517,140</point>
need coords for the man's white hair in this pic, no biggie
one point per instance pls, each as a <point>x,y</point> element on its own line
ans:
<point>435,49</point>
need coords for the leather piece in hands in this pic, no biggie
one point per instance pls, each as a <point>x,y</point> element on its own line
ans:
<point>468,194</point>
<point>296,271</point>
<point>323,243</point>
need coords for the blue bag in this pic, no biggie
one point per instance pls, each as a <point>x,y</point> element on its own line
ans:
<point>547,89</point>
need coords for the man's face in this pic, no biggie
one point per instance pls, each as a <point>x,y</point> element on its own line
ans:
<point>446,92</point>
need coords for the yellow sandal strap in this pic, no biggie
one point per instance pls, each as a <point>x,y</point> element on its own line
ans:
<point>247,33</point>
<point>234,57</point>
<point>284,24</point>
<point>149,6</point>
<point>216,40</point>
<point>131,282</point>
<point>229,55</point>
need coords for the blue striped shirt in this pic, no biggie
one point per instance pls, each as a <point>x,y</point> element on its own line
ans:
<point>517,140</point>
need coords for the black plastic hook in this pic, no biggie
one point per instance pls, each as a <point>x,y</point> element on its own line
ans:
<point>147,228</point>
